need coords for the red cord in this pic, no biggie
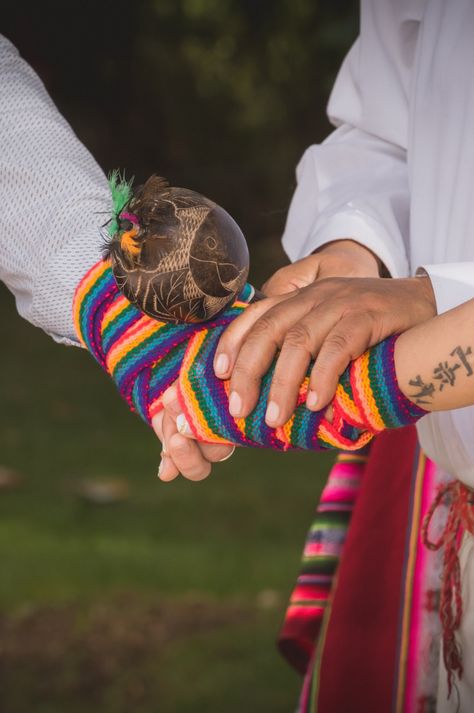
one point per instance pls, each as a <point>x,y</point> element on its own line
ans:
<point>460,519</point>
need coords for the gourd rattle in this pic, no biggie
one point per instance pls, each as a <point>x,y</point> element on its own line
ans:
<point>176,255</point>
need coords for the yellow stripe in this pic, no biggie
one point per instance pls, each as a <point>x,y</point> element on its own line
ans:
<point>348,406</point>
<point>138,335</point>
<point>351,458</point>
<point>187,393</point>
<point>119,306</point>
<point>371,411</point>
<point>82,289</point>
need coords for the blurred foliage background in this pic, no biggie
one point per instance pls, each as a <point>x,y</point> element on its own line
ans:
<point>170,599</point>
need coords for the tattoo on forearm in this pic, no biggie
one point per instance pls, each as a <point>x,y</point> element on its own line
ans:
<point>444,374</point>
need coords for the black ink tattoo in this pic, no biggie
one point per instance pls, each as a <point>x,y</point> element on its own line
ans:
<point>463,354</point>
<point>444,374</point>
<point>425,391</point>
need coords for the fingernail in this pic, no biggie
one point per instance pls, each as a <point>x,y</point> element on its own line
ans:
<point>235,404</point>
<point>273,411</point>
<point>183,426</point>
<point>160,468</point>
<point>222,365</point>
<point>311,399</point>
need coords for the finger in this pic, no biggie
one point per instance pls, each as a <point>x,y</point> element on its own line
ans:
<point>302,342</point>
<point>213,453</point>
<point>188,458</point>
<point>290,371</point>
<point>350,337</point>
<point>293,277</point>
<point>185,453</point>
<point>217,453</point>
<point>170,401</point>
<point>258,350</point>
<point>232,338</point>
<point>157,424</point>
<point>167,470</point>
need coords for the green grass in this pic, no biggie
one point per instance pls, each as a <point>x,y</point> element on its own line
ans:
<point>221,542</point>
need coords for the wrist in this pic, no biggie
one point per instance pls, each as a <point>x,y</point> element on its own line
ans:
<point>426,291</point>
<point>361,261</point>
<point>369,395</point>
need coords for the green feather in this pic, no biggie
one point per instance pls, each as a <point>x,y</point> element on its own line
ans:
<point>121,194</point>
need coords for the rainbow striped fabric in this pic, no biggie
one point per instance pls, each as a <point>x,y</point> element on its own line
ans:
<point>145,356</point>
<point>321,555</point>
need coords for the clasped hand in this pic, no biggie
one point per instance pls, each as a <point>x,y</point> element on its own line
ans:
<point>329,307</point>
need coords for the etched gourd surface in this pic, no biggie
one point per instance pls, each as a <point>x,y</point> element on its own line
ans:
<point>177,255</point>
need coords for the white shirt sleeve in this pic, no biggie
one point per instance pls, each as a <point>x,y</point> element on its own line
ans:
<point>55,199</point>
<point>355,184</point>
<point>351,186</point>
<point>453,283</point>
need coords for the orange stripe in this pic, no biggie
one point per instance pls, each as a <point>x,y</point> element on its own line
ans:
<point>361,375</point>
<point>132,338</point>
<point>116,308</point>
<point>89,279</point>
<point>195,413</point>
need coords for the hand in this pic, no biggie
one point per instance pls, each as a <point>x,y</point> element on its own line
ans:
<point>180,453</point>
<point>333,320</point>
<point>194,460</point>
<point>340,258</point>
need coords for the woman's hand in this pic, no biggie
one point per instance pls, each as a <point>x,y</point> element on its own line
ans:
<point>180,453</point>
<point>341,258</point>
<point>332,320</point>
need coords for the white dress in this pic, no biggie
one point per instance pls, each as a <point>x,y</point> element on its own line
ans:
<point>397,175</point>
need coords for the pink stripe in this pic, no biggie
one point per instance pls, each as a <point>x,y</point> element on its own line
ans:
<point>304,612</point>
<point>322,548</point>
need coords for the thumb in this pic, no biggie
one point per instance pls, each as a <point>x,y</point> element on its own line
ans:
<point>293,277</point>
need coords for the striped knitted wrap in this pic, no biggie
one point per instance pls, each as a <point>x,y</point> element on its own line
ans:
<point>145,356</point>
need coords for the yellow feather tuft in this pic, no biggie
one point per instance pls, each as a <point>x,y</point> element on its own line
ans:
<point>128,243</point>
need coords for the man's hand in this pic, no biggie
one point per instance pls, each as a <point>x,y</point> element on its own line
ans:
<point>194,460</point>
<point>333,320</point>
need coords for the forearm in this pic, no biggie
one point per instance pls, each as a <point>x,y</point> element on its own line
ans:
<point>435,360</point>
<point>54,200</point>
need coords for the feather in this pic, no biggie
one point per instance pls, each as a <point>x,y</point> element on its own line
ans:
<point>121,194</point>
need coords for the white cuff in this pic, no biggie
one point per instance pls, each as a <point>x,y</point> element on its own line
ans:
<point>360,227</point>
<point>453,283</point>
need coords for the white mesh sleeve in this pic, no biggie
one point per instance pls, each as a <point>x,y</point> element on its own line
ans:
<point>54,197</point>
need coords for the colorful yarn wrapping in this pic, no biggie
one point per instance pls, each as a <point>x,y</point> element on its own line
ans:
<point>145,356</point>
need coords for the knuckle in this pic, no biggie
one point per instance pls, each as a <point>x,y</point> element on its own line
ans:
<point>242,371</point>
<point>266,326</point>
<point>337,342</point>
<point>179,447</point>
<point>299,336</point>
